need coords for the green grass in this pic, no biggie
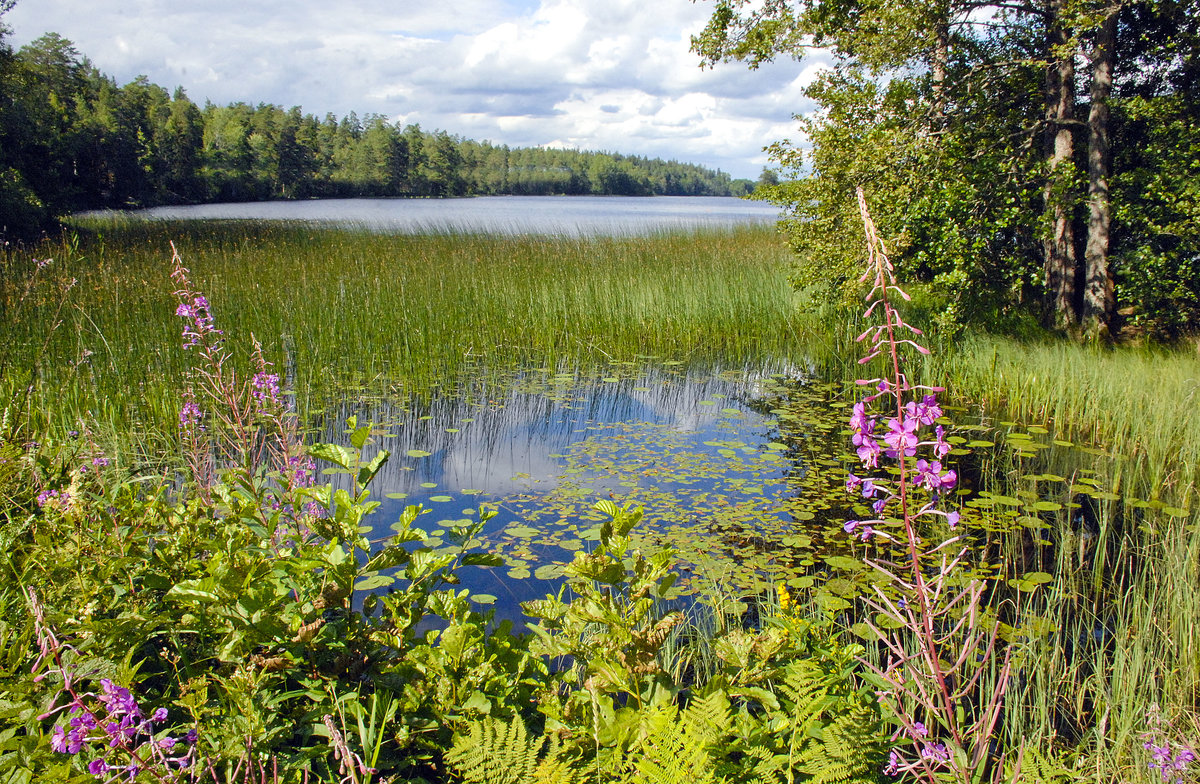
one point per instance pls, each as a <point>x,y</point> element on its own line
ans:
<point>337,308</point>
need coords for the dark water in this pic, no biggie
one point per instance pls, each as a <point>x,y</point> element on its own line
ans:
<point>563,215</point>
<point>696,448</point>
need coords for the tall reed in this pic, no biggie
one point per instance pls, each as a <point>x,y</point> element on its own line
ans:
<point>334,307</point>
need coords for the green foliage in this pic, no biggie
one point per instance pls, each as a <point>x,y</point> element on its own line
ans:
<point>501,752</point>
<point>952,128</point>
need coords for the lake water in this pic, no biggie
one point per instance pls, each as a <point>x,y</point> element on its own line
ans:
<point>724,481</point>
<point>562,215</point>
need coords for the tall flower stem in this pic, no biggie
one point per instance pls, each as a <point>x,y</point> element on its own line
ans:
<point>937,665</point>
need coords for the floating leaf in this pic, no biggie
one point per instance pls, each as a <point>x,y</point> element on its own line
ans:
<point>418,453</point>
<point>549,572</point>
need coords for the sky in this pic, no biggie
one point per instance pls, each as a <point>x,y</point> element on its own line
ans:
<point>610,75</point>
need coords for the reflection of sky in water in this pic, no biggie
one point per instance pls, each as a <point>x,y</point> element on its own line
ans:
<point>510,448</point>
<point>562,215</point>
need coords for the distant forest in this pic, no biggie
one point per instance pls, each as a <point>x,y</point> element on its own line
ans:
<point>72,139</point>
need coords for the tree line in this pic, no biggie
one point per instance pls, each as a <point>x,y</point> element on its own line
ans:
<point>72,139</point>
<point>1020,155</point>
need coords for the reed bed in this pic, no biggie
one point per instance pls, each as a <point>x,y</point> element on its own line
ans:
<point>347,308</point>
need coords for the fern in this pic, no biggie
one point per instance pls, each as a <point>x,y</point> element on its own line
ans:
<point>498,752</point>
<point>681,748</point>
<point>815,729</point>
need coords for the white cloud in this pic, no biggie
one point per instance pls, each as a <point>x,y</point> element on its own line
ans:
<point>594,74</point>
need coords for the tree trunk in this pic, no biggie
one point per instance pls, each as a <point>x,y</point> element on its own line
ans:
<point>941,58</point>
<point>1098,291</point>
<point>1058,247</point>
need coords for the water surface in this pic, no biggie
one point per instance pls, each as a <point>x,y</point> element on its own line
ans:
<point>560,215</point>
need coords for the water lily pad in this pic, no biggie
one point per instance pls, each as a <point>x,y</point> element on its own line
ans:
<point>418,453</point>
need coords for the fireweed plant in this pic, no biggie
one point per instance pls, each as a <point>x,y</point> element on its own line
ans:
<point>247,425</point>
<point>942,654</point>
<point>109,728</point>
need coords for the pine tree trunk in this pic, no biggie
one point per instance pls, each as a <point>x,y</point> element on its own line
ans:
<point>1098,291</point>
<point>1058,247</point>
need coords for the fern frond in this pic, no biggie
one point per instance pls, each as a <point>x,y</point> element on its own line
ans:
<point>498,752</point>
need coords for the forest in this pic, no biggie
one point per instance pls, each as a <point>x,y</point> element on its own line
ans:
<point>1029,157</point>
<point>72,139</point>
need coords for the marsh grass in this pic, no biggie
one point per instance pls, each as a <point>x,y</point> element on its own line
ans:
<point>347,309</point>
<point>1115,632</point>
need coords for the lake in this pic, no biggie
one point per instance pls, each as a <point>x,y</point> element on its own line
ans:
<point>725,478</point>
<point>560,215</point>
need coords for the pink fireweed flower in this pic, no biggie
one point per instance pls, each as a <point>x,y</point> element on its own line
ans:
<point>189,415</point>
<point>859,420</point>
<point>265,387</point>
<point>926,412</point>
<point>868,450</point>
<point>940,446</point>
<point>901,437</point>
<point>932,478</point>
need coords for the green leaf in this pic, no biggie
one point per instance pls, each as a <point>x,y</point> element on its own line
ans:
<point>339,455</point>
<point>360,435</point>
<point>374,581</point>
<point>367,472</point>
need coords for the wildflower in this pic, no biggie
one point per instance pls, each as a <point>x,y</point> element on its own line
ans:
<point>859,419</point>
<point>931,476</point>
<point>868,450</point>
<point>189,415</point>
<point>940,447</point>
<point>98,767</point>
<point>893,765</point>
<point>926,412</point>
<point>901,437</point>
<point>100,462</point>
<point>266,387</point>
<point>936,752</point>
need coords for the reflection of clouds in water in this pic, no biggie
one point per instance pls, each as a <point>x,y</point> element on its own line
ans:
<point>503,442</point>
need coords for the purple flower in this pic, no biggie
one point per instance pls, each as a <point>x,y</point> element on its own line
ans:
<point>868,450</point>
<point>926,412</point>
<point>893,766</point>
<point>98,767</point>
<point>189,415</point>
<point>936,752</point>
<point>58,739</point>
<point>901,437</point>
<point>100,462</point>
<point>159,716</point>
<point>940,447</point>
<point>931,477</point>
<point>952,518</point>
<point>266,386</point>
<point>166,743</point>
<point>859,420</point>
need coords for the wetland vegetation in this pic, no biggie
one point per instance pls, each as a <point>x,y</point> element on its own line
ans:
<point>648,429</point>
